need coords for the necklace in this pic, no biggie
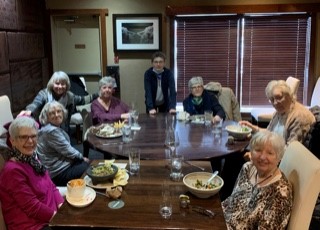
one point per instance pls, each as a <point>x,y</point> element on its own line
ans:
<point>268,177</point>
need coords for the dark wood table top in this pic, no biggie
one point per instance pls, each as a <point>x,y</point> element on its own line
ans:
<point>142,196</point>
<point>196,140</point>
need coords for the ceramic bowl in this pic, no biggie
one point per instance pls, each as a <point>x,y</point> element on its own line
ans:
<point>101,179</point>
<point>239,132</point>
<point>190,180</point>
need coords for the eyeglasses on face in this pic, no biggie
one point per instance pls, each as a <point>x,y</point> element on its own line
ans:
<point>277,99</point>
<point>196,87</point>
<point>26,137</point>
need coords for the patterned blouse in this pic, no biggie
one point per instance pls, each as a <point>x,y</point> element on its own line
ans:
<point>253,207</point>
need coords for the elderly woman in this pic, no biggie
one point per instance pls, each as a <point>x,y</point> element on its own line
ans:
<point>262,197</point>
<point>29,198</point>
<point>58,89</point>
<point>63,161</point>
<point>291,120</point>
<point>107,108</point>
<point>199,100</point>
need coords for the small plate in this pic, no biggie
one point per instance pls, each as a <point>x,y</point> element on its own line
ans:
<point>88,198</point>
<point>197,119</point>
<point>107,185</point>
<point>96,131</point>
<point>114,135</point>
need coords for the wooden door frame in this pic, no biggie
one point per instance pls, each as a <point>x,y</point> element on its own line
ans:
<point>102,13</point>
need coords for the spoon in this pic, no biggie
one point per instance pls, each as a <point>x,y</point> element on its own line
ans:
<point>213,176</point>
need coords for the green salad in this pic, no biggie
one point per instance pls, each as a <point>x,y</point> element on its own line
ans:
<point>200,185</point>
<point>102,170</point>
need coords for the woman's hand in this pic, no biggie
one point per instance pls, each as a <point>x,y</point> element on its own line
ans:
<point>172,111</point>
<point>152,111</point>
<point>254,128</point>
<point>216,118</point>
<point>24,113</point>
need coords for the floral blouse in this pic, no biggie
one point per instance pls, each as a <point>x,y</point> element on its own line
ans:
<point>252,207</point>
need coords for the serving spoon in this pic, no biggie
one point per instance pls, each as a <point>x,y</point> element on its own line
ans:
<point>213,176</point>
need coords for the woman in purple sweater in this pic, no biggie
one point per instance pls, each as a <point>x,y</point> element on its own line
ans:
<point>107,108</point>
<point>28,197</point>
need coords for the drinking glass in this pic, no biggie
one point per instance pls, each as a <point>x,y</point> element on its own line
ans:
<point>217,129</point>
<point>207,117</point>
<point>135,116</point>
<point>126,133</point>
<point>172,140</point>
<point>176,167</point>
<point>134,160</point>
<point>165,208</point>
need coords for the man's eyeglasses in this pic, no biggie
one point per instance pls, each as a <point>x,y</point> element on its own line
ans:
<point>26,137</point>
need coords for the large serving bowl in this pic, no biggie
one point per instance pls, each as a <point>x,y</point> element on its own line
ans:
<point>239,132</point>
<point>190,181</point>
<point>103,178</point>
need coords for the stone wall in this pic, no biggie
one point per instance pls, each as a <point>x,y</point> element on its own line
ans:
<point>23,57</point>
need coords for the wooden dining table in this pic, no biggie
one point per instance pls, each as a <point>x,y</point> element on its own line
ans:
<point>142,197</point>
<point>197,141</point>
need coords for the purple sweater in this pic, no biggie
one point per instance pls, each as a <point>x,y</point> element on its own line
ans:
<point>28,200</point>
<point>100,115</point>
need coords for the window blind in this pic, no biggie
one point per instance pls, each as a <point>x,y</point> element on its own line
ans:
<point>274,47</point>
<point>207,47</point>
<point>242,52</point>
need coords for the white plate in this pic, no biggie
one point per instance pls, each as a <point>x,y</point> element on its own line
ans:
<point>88,198</point>
<point>107,185</point>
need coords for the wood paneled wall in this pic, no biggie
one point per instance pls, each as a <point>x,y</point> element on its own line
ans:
<point>23,59</point>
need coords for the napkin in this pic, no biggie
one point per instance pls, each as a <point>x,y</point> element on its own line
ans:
<point>135,128</point>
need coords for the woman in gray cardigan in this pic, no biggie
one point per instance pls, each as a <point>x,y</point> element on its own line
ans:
<point>63,161</point>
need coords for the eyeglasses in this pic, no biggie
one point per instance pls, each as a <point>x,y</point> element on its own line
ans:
<point>277,99</point>
<point>25,138</point>
<point>196,87</point>
<point>54,112</point>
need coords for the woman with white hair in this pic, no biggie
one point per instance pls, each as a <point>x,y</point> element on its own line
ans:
<point>58,89</point>
<point>291,120</point>
<point>54,149</point>
<point>199,100</point>
<point>262,197</point>
<point>28,197</point>
<point>107,108</point>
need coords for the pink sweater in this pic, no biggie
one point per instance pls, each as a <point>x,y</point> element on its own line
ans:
<point>28,200</point>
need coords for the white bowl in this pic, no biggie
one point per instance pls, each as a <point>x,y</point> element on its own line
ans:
<point>190,180</point>
<point>239,132</point>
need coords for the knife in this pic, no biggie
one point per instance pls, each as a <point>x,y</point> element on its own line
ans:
<point>188,163</point>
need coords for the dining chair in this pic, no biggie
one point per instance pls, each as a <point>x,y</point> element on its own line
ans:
<point>302,169</point>
<point>6,114</point>
<point>76,118</point>
<point>264,115</point>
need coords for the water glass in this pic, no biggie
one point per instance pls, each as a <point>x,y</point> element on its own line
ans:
<point>165,209</point>
<point>135,116</point>
<point>126,133</point>
<point>134,161</point>
<point>176,167</point>
<point>217,128</point>
<point>207,117</point>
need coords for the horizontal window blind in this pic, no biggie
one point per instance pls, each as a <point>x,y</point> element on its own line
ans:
<point>242,52</point>
<point>274,48</point>
<point>207,47</point>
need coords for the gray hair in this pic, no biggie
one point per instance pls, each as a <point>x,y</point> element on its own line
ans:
<point>58,76</point>
<point>43,118</point>
<point>107,80</point>
<point>21,122</point>
<point>275,140</point>
<point>197,80</point>
<point>285,89</point>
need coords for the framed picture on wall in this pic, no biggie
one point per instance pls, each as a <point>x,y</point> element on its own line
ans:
<point>137,32</point>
